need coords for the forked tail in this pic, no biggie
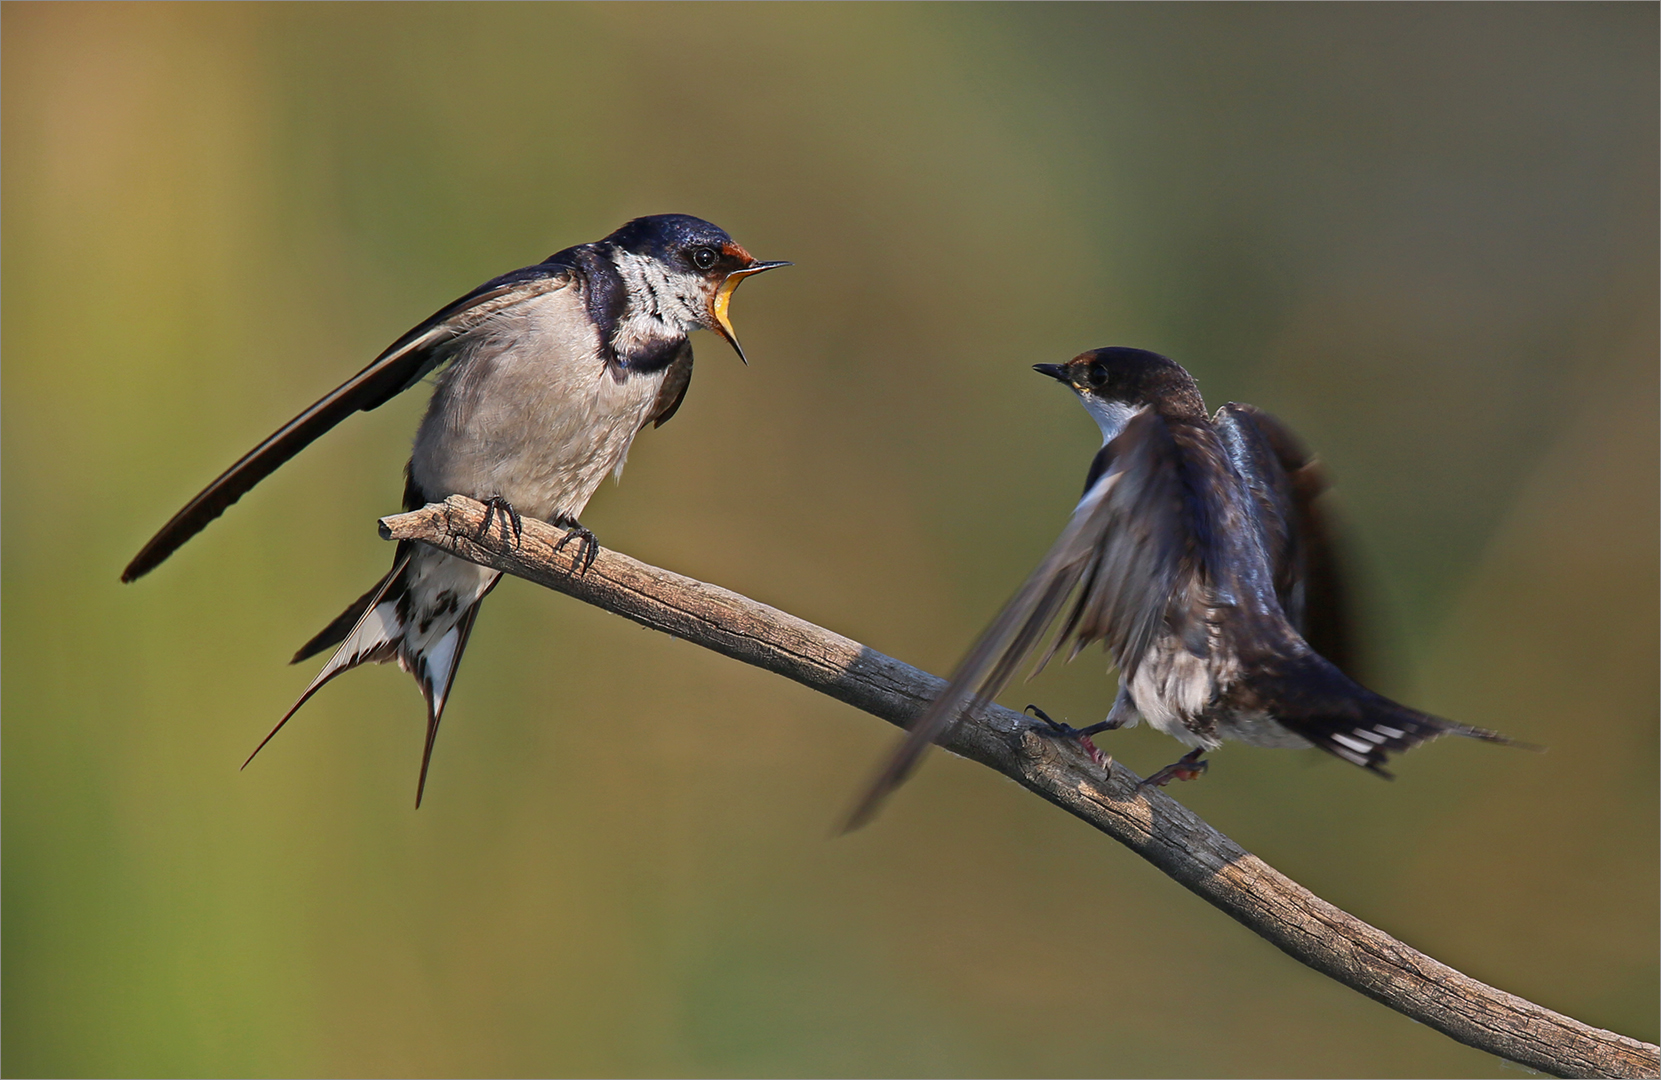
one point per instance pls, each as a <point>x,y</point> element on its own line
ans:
<point>377,628</point>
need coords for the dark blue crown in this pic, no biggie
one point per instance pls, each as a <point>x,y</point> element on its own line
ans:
<point>663,235</point>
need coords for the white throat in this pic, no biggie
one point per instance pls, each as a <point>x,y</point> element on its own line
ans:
<point>662,304</point>
<point>1110,416</point>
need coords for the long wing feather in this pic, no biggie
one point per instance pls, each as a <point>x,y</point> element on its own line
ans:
<point>1300,536</point>
<point>1127,539</point>
<point>406,362</point>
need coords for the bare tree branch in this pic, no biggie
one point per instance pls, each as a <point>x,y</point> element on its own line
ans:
<point>1148,822</point>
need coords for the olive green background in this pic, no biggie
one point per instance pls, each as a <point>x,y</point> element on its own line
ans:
<point>1424,235</point>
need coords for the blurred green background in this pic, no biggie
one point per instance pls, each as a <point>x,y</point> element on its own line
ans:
<point>1424,235</point>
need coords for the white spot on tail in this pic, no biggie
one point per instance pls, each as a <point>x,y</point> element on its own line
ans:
<point>376,633</point>
<point>1354,744</point>
<point>437,664</point>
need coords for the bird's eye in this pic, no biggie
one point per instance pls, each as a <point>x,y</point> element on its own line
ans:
<point>703,258</point>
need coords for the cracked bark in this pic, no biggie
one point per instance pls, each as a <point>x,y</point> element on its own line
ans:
<point>1150,823</point>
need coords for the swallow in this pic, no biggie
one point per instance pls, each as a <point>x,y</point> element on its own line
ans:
<point>1200,558</point>
<point>545,376</point>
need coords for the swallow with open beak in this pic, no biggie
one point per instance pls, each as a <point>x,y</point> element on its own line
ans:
<point>548,374</point>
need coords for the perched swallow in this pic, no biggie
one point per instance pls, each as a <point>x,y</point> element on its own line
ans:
<point>551,372</point>
<point>1199,557</point>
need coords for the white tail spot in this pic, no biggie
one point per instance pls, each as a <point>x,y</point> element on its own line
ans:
<point>1354,744</point>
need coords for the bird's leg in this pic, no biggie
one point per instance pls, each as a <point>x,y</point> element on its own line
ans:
<point>1189,768</point>
<point>588,545</point>
<point>1055,729</point>
<point>511,519</point>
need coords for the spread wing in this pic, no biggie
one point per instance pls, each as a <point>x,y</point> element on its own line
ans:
<point>405,363</point>
<point>1299,532</point>
<point>1128,552</point>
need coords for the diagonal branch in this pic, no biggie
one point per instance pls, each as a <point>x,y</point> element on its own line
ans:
<point>1150,823</point>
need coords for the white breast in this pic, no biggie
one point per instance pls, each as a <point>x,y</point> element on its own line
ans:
<point>530,411</point>
<point>1172,686</point>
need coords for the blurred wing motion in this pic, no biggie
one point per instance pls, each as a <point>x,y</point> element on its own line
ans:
<point>400,367</point>
<point>1299,536</point>
<point>1129,551</point>
<point>1136,555</point>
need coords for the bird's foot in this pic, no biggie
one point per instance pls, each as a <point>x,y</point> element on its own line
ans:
<point>1055,729</point>
<point>588,545</point>
<point>1189,768</point>
<point>512,522</point>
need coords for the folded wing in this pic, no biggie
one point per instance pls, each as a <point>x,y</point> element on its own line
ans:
<point>401,366</point>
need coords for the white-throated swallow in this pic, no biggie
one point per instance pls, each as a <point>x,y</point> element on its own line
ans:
<point>549,372</point>
<point>1199,557</point>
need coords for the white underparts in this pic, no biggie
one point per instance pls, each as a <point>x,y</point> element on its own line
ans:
<point>529,411</point>
<point>1172,685</point>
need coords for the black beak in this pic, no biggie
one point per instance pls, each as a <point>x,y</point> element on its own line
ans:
<point>1054,371</point>
<point>723,296</point>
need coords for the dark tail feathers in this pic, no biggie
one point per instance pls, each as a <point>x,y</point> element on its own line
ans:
<point>1365,728</point>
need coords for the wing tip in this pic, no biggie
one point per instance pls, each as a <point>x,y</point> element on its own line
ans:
<point>900,766</point>
<point>861,815</point>
<point>893,774</point>
<point>142,564</point>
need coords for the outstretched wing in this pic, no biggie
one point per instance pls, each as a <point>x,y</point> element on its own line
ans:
<point>1300,536</point>
<point>1127,550</point>
<point>400,367</point>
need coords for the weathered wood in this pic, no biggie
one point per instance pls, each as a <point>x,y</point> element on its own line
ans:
<point>1148,822</point>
